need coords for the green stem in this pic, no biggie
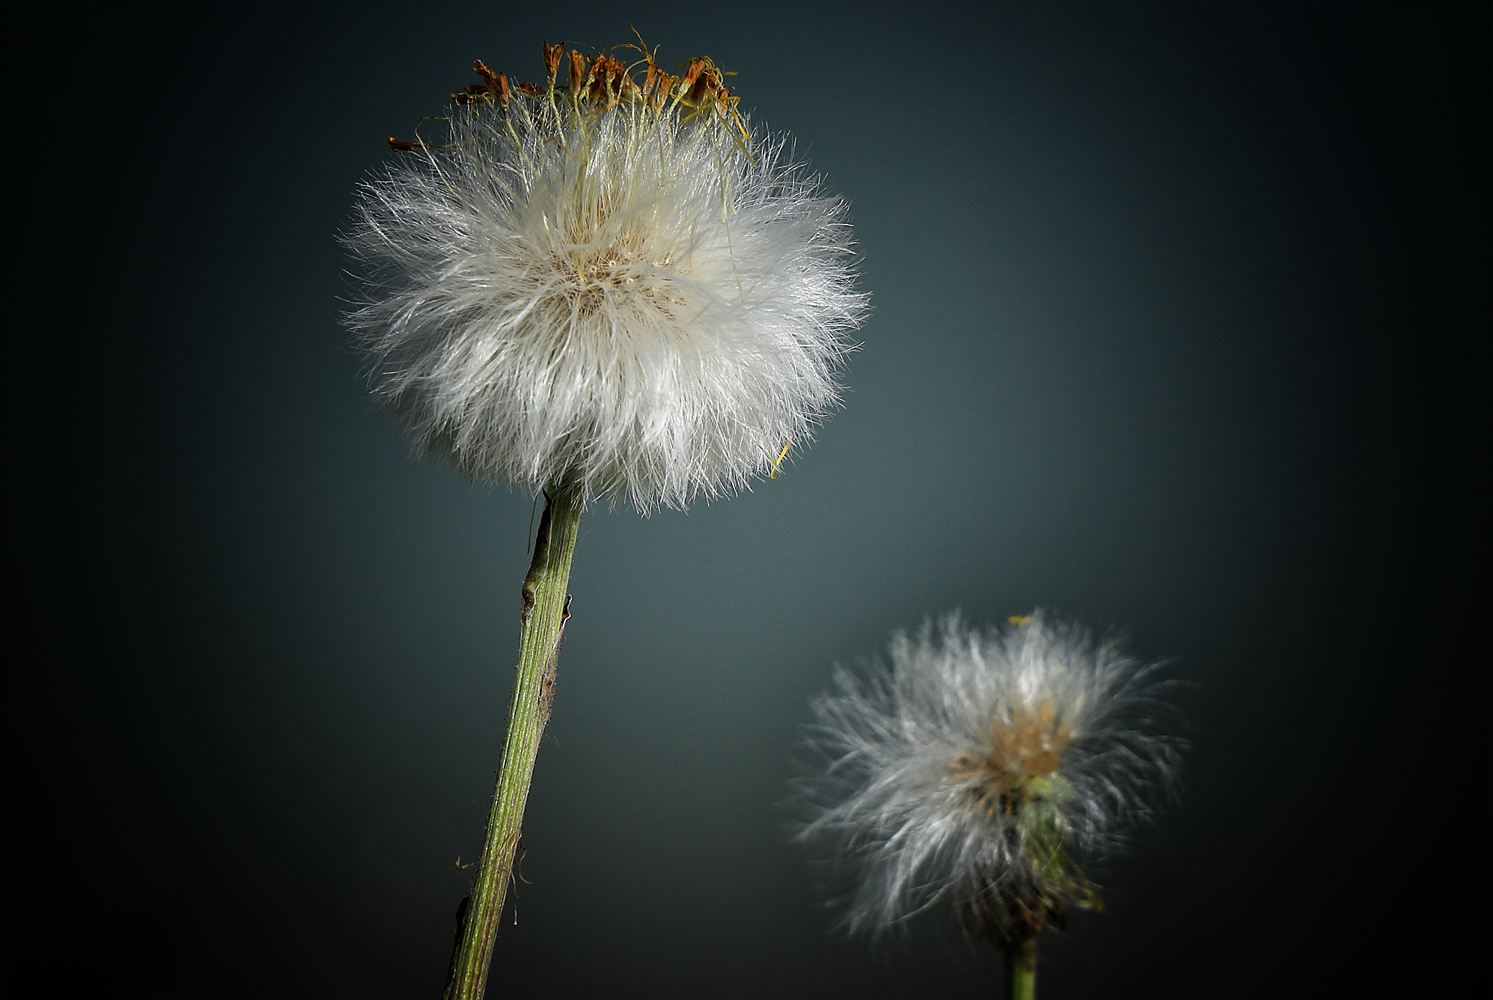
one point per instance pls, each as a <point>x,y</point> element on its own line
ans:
<point>1021,969</point>
<point>546,606</point>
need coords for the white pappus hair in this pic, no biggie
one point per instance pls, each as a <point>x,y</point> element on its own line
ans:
<point>981,767</point>
<point>615,285</point>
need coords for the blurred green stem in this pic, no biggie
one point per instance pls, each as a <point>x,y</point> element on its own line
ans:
<point>546,606</point>
<point>1021,969</point>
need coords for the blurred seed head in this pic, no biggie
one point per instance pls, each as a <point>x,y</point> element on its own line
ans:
<point>984,767</point>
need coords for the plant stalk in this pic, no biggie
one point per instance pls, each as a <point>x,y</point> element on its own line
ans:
<point>546,607</point>
<point>1021,969</point>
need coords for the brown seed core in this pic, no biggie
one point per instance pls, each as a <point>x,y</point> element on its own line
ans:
<point>594,274</point>
<point>1022,747</point>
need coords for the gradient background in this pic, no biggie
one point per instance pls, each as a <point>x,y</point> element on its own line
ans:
<point>1181,325</point>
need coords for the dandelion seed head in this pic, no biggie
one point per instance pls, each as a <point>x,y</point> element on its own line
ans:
<point>982,767</point>
<point>607,281</point>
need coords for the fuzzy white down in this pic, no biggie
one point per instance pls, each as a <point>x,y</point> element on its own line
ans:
<point>638,302</point>
<point>903,829</point>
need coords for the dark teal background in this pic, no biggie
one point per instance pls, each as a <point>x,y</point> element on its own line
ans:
<point>1180,325</point>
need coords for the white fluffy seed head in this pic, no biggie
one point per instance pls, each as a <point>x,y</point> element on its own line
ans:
<point>612,284</point>
<point>981,768</point>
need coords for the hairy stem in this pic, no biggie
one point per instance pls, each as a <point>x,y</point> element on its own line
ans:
<point>546,606</point>
<point>1021,969</point>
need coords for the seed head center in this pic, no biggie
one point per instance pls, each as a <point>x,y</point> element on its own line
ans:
<point>1024,747</point>
<point>615,270</point>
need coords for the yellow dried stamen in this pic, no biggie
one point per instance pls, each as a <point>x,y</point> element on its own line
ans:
<point>778,464</point>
